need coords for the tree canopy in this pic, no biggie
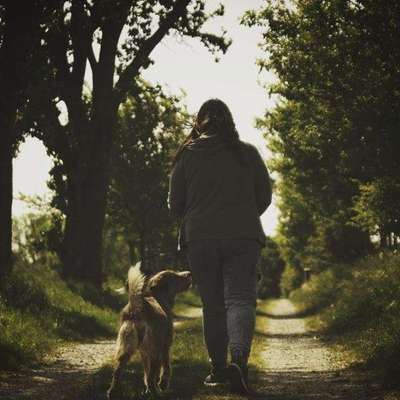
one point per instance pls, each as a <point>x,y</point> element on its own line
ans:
<point>107,44</point>
<point>334,132</point>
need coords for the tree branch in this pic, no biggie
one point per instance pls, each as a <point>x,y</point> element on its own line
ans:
<point>142,55</point>
<point>81,34</point>
<point>58,47</point>
<point>92,59</point>
<point>103,76</point>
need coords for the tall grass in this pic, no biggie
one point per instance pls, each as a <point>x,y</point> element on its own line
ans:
<point>361,306</point>
<point>38,309</point>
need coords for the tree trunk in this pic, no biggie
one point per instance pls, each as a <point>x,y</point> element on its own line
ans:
<point>82,256</point>
<point>132,251</point>
<point>87,193</point>
<point>142,252</point>
<point>10,83</point>
<point>382,239</point>
<point>5,202</point>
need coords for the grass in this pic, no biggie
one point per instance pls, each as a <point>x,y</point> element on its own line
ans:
<point>189,363</point>
<point>360,308</point>
<point>38,310</point>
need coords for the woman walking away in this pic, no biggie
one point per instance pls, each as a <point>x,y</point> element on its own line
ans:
<point>219,187</point>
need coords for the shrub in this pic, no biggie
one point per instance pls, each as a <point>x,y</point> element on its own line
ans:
<point>37,309</point>
<point>271,266</point>
<point>319,292</point>
<point>291,279</point>
<point>361,303</point>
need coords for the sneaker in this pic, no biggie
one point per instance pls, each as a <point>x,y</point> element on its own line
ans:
<point>238,377</point>
<point>216,377</point>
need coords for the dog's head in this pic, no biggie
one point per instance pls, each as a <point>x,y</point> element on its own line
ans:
<point>165,285</point>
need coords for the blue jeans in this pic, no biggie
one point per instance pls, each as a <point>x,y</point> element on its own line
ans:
<point>225,273</point>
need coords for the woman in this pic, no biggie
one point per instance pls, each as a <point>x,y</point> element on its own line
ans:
<point>219,187</point>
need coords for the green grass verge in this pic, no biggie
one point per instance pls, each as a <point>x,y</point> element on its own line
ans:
<point>360,308</point>
<point>38,310</point>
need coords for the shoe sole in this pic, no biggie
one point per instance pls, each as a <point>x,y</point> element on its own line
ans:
<point>214,384</point>
<point>237,382</point>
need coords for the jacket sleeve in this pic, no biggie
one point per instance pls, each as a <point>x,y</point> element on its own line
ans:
<point>262,182</point>
<point>177,190</point>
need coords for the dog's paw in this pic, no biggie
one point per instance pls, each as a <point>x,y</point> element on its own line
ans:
<point>111,393</point>
<point>164,384</point>
<point>151,392</point>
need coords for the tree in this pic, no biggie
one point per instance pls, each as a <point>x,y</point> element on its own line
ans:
<point>336,126</point>
<point>19,27</point>
<point>271,267</point>
<point>378,210</point>
<point>123,33</point>
<point>150,128</point>
<point>37,235</point>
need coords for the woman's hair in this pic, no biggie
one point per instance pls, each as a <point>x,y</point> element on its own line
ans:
<point>213,118</point>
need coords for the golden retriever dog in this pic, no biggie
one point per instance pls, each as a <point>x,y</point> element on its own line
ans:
<point>147,326</point>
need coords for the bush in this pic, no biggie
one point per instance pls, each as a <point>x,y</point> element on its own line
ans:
<point>37,309</point>
<point>271,266</point>
<point>291,279</point>
<point>361,303</point>
<point>319,292</point>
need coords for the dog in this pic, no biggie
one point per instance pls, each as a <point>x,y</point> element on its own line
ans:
<point>147,326</point>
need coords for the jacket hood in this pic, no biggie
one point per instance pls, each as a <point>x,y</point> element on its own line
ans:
<point>207,144</point>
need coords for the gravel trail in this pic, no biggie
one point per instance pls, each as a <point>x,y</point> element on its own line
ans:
<point>61,376</point>
<point>65,372</point>
<point>298,365</point>
<point>295,364</point>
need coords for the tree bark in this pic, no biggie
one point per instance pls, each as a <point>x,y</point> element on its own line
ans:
<point>6,194</point>
<point>17,41</point>
<point>87,192</point>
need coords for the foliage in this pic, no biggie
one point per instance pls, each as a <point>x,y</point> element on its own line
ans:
<point>360,304</point>
<point>38,309</point>
<point>271,266</point>
<point>150,128</point>
<point>334,131</point>
<point>37,234</point>
<point>378,209</point>
<point>117,255</point>
<point>115,40</point>
<point>291,279</point>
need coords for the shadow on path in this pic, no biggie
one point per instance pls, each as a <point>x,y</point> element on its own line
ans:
<point>318,385</point>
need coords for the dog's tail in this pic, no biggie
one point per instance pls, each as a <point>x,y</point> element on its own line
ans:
<point>135,287</point>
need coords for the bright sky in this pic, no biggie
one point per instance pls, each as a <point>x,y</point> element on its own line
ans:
<point>189,66</point>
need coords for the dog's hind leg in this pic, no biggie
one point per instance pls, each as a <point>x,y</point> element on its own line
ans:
<point>152,369</point>
<point>127,343</point>
<point>166,370</point>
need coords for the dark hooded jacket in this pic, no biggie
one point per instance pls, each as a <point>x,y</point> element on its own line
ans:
<point>218,192</point>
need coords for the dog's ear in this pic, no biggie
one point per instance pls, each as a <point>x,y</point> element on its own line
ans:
<point>158,282</point>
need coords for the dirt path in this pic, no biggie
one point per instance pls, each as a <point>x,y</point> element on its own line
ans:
<point>64,373</point>
<point>61,376</point>
<point>295,365</point>
<point>298,365</point>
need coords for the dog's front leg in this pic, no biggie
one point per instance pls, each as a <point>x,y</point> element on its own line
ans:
<point>166,371</point>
